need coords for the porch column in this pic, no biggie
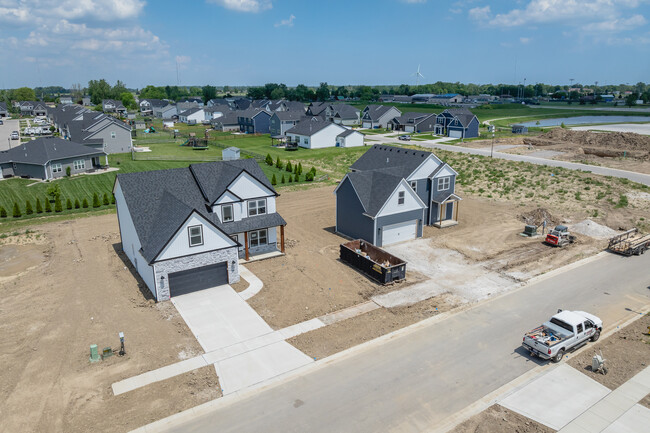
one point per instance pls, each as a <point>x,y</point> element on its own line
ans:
<point>282,239</point>
<point>456,210</point>
<point>440,213</point>
<point>246,245</point>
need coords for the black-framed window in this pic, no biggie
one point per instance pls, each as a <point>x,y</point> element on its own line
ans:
<point>257,207</point>
<point>400,197</point>
<point>258,238</point>
<point>227,213</point>
<point>195,234</point>
<point>414,185</point>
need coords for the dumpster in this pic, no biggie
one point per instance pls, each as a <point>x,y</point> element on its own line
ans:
<point>373,261</point>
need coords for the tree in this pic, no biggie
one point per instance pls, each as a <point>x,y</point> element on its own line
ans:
<point>17,213</point>
<point>255,92</point>
<point>23,94</point>
<point>48,206</point>
<point>117,90</point>
<point>274,181</point>
<point>112,198</point>
<point>39,207</point>
<point>288,167</point>
<point>278,163</point>
<point>96,202</point>
<point>277,93</point>
<point>58,207</point>
<point>76,203</point>
<point>269,160</point>
<point>28,208</point>
<point>128,100</point>
<point>3,212</point>
<point>323,92</point>
<point>105,201</point>
<point>295,169</point>
<point>53,191</point>
<point>99,90</point>
<point>630,100</point>
<point>68,204</point>
<point>67,171</point>
<point>300,168</point>
<point>209,92</point>
<point>152,92</point>
<point>290,178</point>
<point>85,203</point>
<point>282,180</point>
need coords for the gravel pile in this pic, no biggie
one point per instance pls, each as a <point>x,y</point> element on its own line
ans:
<point>593,229</point>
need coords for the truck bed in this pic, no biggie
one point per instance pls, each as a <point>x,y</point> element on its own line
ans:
<point>545,335</point>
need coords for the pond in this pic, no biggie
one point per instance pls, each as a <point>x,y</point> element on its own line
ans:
<point>582,120</point>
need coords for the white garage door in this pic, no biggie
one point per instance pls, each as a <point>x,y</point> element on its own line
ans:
<point>409,128</point>
<point>367,125</point>
<point>454,133</point>
<point>399,232</point>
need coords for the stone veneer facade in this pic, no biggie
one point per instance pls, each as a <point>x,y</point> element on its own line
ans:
<point>166,267</point>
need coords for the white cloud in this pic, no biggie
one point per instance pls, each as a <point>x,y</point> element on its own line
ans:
<point>253,6</point>
<point>616,25</point>
<point>288,22</point>
<point>524,40</point>
<point>480,14</point>
<point>18,12</point>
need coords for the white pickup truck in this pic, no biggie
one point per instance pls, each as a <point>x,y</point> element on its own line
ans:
<point>566,330</point>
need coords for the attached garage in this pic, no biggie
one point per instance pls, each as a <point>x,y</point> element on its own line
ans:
<point>400,232</point>
<point>367,125</point>
<point>455,133</point>
<point>409,128</point>
<point>191,280</point>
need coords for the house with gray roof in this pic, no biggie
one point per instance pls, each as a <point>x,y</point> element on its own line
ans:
<point>391,193</point>
<point>147,105</point>
<point>457,123</point>
<point>414,122</point>
<point>92,128</point>
<point>49,158</point>
<point>192,116</point>
<point>317,109</point>
<point>228,122</point>
<point>165,112</point>
<point>187,103</point>
<point>343,114</point>
<point>254,121</point>
<point>378,116</point>
<point>113,106</point>
<point>3,109</point>
<point>317,134</point>
<point>32,108</point>
<point>185,229</point>
<point>282,121</point>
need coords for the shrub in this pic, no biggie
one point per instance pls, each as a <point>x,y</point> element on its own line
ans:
<point>290,178</point>
<point>67,171</point>
<point>76,203</point>
<point>84,204</point>
<point>48,206</point>
<point>58,207</point>
<point>68,204</point>
<point>278,163</point>
<point>274,181</point>
<point>28,208</point>
<point>112,199</point>
<point>295,169</point>
<point>300,168</point>
<point>3,212</point>
<point>309,176</point>
<point>17,213</point>
<point>105,201</point>
<point>296,178</point>
<point>39,206</point>
<point>269,160</point>
<point>53,191</point>
<point>282,180</point>
<point>578,196</point>
<point>96,202</point>
<point>288,167</point>
<point>622,201</point>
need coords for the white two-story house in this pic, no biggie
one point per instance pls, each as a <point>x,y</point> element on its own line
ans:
<point>185,229</point>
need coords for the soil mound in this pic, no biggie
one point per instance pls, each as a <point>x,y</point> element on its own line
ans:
<point>609,140</point>
<point>538,216</point>
<point>593,229</point>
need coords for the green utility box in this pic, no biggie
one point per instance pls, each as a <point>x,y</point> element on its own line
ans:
<point>94,354</point>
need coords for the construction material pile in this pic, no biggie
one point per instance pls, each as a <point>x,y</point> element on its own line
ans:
<point>593,229</point>
<point>538,216</point>
<point>608,144</point>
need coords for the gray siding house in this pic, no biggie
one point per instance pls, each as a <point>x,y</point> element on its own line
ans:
<point>48,158</point>
<point>282,121</point>
<point>254,121</point>
<point>391,193</point>
<point>457,123</point>
<point>414,122</point>
<point>378,116</point>
<point>3,109</point>
<point>185,229</point>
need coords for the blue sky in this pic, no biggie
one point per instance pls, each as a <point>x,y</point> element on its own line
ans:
<point>252,42</point>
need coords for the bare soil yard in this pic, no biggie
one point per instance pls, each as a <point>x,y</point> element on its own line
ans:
<point>497,419</point>
<point>626,352</point>
<point>64,288</point>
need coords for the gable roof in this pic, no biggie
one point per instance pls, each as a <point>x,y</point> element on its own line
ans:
<point>374,187</point>
<point>348,132</point>
<point>3,106</point>
<point>289,115</point>
<point>345,111</point>
<point>316,108</point>
<point>463,115</point>
<point>190,111</point>
<point>179,192</point>
<point>46,149</point>
<point>380,157</point>
<point>375,112</point>
<point>411,117</point>
<point>310,127</point>
<point>154,102</point>
<point>228,118</point>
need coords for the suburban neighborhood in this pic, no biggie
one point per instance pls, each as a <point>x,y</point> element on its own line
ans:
<point>236,240</point>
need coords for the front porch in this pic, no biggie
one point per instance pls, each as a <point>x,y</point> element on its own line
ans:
<point>260,244</point>
<point>445,214</point>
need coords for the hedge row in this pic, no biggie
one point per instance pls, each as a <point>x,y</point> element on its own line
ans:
<point>57,205</point>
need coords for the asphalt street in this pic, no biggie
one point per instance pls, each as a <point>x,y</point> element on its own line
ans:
<point>415,381</point>
<point>5,131</point>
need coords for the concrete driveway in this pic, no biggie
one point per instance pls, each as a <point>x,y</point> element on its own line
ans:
<point>222,321</point>
<point>5,131</point>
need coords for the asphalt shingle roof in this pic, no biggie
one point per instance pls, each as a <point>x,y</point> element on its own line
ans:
<point>380,157</point>
<point>375,187</point>
<point>43,150</point>
<point>463,114</point>
<point>309,127</point>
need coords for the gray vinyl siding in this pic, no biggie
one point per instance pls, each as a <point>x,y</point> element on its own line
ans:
<point>433,213</point>
<point>262,122</point>
<point>349,214</point>
<point>438,196</point>
<point>69,162</point>
<point>472,129</point>
<point>427,125</point>
<point>422,189</point>
<point>388,220</point>
<point>120,144</point>
<point>275,125</point>
<point>28,170</point>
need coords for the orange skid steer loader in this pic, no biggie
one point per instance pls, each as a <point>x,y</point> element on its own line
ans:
<point>559,237</point>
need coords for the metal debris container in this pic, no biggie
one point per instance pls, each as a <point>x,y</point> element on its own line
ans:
<point>373,261</point>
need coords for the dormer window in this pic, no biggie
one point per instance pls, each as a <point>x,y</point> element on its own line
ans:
<point>400,197</point>
<point>226,213</point>
<point>196,235</point>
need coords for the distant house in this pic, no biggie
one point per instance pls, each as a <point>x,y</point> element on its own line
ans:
<point>391,193</point>
<point>282,121</point>
<point>113,106</point>
<point>165,112</point>
<point>187,103</point>
<point>242,104</point>
<point>192,116</point>
<point>147,105</point>
<point>413,122</point>
<point>65,100</point>
<point>378,116</point>
<point>316,134</point>
<point>342,114</point>
<point>3,109</point>
<point>457,123</point>
<point>32,108</point>
<point>228,122</point>
<point>317,109</point>
<point>218,101</point>
<point>185,229</point>
<point>519,129</point>
<point>445,99</point>
<point>49,158</point>
<point>85,101</point>
<point>215,111</point>
<point>254,121</point>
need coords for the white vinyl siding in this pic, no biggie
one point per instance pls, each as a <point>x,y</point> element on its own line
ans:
<point>227,214</point>
<point>195,235</point>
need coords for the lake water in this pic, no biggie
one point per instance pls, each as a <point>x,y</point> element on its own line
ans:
<point>581,120</point>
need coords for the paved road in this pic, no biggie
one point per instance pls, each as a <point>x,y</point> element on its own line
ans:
<point>5,131</point>
<point>636,177</point>
<point>413,382</point>
<point>596,108</point>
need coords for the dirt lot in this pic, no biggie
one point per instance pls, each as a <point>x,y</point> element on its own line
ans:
<point>64,288</point>
<point>497,419</point>
<point>626,352</point>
